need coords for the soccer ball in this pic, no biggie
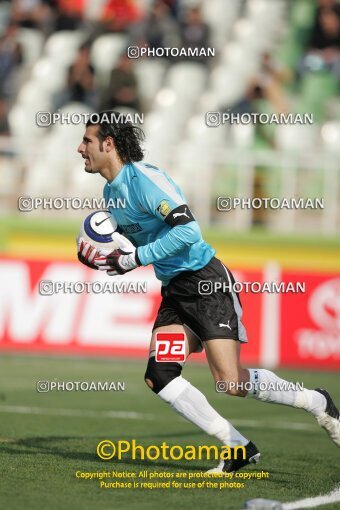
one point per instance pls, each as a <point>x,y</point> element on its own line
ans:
<point>97,229</point>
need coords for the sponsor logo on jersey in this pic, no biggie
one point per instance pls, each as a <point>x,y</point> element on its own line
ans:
<point>164,208</point>
<point>181,215</point>
<point>132,228</point>
<point>176,215</point>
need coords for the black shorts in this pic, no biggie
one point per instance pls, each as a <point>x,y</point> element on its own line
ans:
<point>191,299</point>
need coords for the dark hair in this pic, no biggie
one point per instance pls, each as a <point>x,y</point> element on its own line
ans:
<point>127,137</point>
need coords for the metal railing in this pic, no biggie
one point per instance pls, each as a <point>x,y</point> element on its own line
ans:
<point>244,174</point>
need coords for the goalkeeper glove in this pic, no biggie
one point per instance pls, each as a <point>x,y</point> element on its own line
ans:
<point>119,261</point>
<point>86,253</point>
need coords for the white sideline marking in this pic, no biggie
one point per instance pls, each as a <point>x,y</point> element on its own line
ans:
<point>332,497</point>
<point>130,415</point>
<point>281,425</point>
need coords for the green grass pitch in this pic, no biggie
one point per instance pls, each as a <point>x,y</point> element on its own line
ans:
<point>46,437</point>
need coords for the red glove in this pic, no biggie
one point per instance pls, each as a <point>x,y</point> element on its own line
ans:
<point>86,253</point>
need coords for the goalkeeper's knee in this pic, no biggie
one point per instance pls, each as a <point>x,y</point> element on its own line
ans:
<point>158,375</point>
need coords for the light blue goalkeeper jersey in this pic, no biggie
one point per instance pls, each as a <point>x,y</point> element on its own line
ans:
<point>157,220</point>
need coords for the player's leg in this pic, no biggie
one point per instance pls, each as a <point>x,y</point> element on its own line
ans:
<point>223,356</point>
<point>223,333</point>
<point>224,360</point>
<point>166,381</point>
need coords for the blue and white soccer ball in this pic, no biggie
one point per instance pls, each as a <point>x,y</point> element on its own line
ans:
<point>97,229</point>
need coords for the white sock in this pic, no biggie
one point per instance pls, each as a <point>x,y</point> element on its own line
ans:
<point>267,387</point>
<point>190,403</point>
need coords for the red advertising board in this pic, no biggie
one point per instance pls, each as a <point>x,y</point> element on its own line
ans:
<point>310,323</point>
<point>77,322</point>
<point>302,329</point>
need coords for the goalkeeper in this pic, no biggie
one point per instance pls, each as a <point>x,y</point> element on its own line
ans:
<point>163,232</point>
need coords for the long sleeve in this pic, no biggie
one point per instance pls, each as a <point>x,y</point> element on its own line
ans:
<point>173,242</point>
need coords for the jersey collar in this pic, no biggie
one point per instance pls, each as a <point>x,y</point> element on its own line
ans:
<point>117,181</point>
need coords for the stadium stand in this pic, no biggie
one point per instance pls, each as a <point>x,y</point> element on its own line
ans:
<point>270,73</point>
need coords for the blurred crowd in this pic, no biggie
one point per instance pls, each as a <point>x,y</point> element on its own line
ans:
<point>323,49</point>
<point>164,23</point>
<point>274,81</point>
